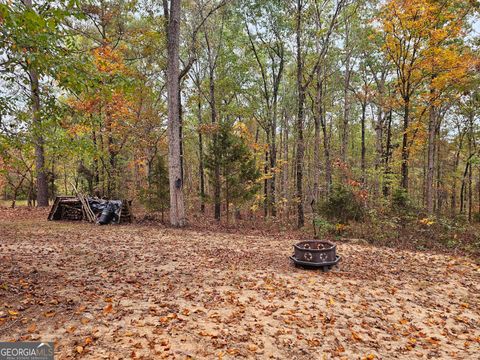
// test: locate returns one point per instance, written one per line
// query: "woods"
(94, 91)
(225, 179)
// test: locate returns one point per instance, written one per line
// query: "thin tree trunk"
(404, 167)
(177, 206)
(286, 192)
(180, 130)
(364, 108)
(42, 184)
(430, 158)
(216, 180)
(273, 159)
(388, 152)
(266, 201)
(201, 168)
(316, 147)
(346, 99)
(300, 119)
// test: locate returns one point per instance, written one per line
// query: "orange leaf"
(108, 309)
(32, 328)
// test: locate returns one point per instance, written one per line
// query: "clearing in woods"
(143, 291)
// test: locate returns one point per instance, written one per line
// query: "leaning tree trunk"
(177, 206)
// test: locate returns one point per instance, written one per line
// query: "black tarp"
(106, 211)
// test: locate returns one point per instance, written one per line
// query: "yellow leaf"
(79, 349)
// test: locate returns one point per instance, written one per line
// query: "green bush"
(476, 217)
(322, 227)
(342, 205)
(400, 199)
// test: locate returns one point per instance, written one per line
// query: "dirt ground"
(145, 291)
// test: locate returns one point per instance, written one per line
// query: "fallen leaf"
(32, 328)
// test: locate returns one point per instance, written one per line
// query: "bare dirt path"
(149, 292)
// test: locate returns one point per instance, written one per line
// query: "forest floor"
(146, 291)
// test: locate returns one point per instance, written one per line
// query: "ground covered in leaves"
(145, 291)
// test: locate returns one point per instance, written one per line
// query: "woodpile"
(77, 208)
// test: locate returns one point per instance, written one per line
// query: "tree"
(237, 164)
(177, 205)
(33, 39)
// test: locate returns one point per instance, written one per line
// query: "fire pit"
(316, 254)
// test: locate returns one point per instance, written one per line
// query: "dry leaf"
(108, 309)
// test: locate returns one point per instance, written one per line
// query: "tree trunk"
(216, 180)
(300, 119)
(177, 206)
(430, 160)
(456, 162)
(404, 168)
(201, 168)
(180, 130)
(388, 152)
(362, 166)
(346, 99)
(42, 184)
(266, 200)
(273, 158)
(285, 177)
(316, 150)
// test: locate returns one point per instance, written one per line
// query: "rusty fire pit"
(315, 254)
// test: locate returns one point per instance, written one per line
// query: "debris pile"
(91, 209)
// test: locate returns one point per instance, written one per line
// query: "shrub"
(400, 199)
(476, 217)
(342, 205)
(322, 227)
